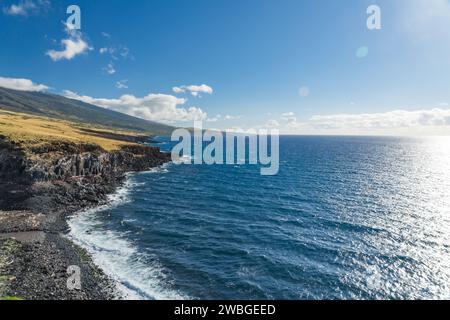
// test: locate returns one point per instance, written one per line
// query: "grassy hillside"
(58, 107)
(32, 131)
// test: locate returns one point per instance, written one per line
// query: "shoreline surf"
(119, 259)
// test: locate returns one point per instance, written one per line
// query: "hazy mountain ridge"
(59, 107)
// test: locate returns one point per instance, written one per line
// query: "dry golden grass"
(30, 131)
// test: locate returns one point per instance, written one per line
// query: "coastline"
(135, 277)
(35, 249)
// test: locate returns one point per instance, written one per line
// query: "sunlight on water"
(414, 240)
(346, 218)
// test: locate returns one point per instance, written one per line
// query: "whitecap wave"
(160, 169)
(185, 159)
(138, 276)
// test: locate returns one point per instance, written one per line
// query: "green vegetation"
(11, 299)
(61, 108)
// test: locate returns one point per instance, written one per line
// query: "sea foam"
(137, 276)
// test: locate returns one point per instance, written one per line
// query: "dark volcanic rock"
(38, 271)
(48, 183)
(60, 174)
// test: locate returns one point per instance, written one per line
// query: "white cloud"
(155, 107)
(122, 84)
(214, 119)
(202, 88)
(117, 52)
(109, 69)
(125, 52)
(72, 46)
(194, 90)
(390, 122)
(21, 84)
(229, 117)
(290, 118)
(287, 115)
(109, 50)
(272, 124)
(15, 10)
(391, 119)
(27, 7)
(178, 90)
(223, 118)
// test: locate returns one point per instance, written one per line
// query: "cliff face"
(64, 174)
(12, 161)
(95, 163)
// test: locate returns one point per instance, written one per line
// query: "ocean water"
(345, 218)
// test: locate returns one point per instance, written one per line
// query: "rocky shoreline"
(39, 190)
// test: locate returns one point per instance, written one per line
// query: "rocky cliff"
(46, 174)
(64, 174)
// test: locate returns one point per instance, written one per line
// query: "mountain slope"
(58, 107)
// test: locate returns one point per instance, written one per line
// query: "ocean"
(345, 218)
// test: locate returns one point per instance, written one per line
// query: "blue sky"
(251, 56)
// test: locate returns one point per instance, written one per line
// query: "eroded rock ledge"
(39, 187)
(63, 174)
